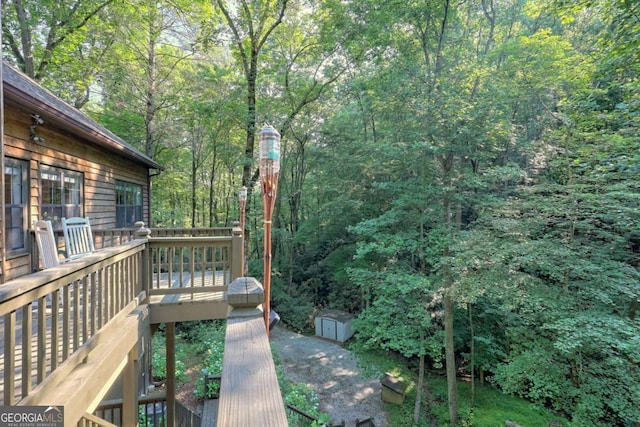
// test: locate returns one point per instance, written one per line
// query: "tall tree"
(446, 85)
(248, 28)
(36, 30)
(142, 78)
(58, 43)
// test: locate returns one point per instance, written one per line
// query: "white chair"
(46, 244)
(48, 249)
(78, 238)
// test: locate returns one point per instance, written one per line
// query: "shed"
(335, 325)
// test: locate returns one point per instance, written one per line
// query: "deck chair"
(46, 244)
(78, 238)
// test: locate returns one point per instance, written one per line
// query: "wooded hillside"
(464, 176)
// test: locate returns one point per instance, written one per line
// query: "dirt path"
(332, 372)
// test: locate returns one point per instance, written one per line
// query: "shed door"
(329, 328)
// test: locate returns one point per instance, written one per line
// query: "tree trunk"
(446, 163)
(250, 126)
(416, 408)
(25, 38)
(472, 357)
(452, 386)
(194, 183)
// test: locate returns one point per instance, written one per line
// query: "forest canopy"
(462, 175)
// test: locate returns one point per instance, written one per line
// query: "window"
(61, 195)
(128, 204)
(16, 186)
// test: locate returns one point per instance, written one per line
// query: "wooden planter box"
(393, 390)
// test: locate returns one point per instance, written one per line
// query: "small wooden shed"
(335, 325)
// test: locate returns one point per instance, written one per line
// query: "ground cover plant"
(491, 407)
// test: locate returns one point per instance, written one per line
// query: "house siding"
(61, 149)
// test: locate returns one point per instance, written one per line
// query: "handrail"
(89, 420)
(192, 232)
(32, 286)
(111, 411)
(249, 374)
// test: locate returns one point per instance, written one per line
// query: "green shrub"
(208, 339)
(159, 360)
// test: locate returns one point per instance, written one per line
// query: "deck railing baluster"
(66, 322)
(55, 332)
(86, 308)
(75, 303)
(27, 325)
(42, 339)
(9, 358)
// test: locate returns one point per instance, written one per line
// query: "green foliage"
(397, 319)
(492, 407)
(159, 360)
(207, 385)
(491, 155)
(207, 340)
(294, 305)
(557, 261)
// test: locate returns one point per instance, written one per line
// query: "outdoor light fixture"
(269, 151)
(37, 121)
(242, 196)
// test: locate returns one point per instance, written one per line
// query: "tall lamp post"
(242, 196)
(269, 168)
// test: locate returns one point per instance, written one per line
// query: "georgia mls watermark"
(31, 416)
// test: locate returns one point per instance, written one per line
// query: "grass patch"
(491, 408)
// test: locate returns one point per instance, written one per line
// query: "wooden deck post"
(171, 373)
(236, 254)
(145, 275)
(130, 390)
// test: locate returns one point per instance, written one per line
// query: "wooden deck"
(101, 307)
(184, 297)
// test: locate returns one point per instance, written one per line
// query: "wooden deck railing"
(189, 262)
(49, 316)
(52, 322)
(152, 412)
(117, 236)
